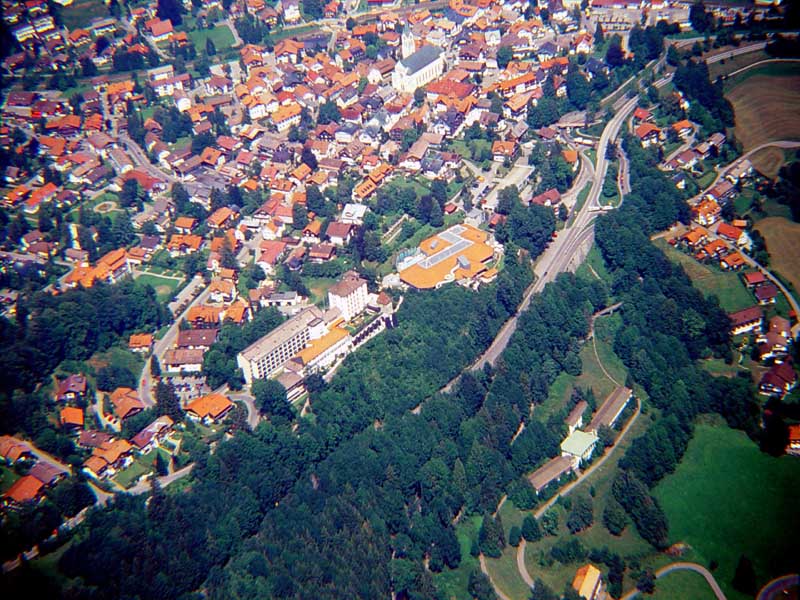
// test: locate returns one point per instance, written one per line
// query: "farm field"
(769, 161)
(709, 279)
(729, 65)
(757, 517)
(766, 100)
(783, 243)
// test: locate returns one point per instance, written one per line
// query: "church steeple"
(409, 47)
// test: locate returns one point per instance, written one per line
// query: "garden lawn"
(710, 279)
(727, 499)
(130, 476)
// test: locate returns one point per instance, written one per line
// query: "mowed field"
(766, 101)
(783, 243)
(727, 498)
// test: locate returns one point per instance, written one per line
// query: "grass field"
(594, 267)
(164, 286)
(682, 584)
(220, 36)
(766, 101)
(709, 279)
(727, 499)
(81, 12)
(453, 584)
(783, 243)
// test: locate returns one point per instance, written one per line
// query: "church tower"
(409, 47)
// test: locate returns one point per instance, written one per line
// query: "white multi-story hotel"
(267, 356)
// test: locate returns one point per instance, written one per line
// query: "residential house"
(183, 360)
(26, 489)
(338, 233)
(126, 403)
(766, 294)
(779, 380)
(611, 409)
(140, 342)
(747, 320)
(152, 435)
(71, 389)
(550, 472)
(588, 583)
(208, 409)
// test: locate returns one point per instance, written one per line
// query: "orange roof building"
(211, 407)
(140, 342)
(126, 402)
(25, 489)
(71, 416)
(458, 253)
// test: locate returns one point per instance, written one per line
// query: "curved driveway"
(684, 566)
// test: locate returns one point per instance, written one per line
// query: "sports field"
(783, 243)
(727, 498)
(164, 286)
(766, 100)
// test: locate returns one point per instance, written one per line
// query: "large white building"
(349, 295)
(267, 356)
(418, 67)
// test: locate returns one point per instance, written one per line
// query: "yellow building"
(587, 582)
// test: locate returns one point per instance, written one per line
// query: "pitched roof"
(211, 405)
(25, 488)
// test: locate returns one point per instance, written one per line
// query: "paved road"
(754, 47)
(144, 486)
(560, 254)
(684, 566)
(253, 416)
(497, 590)
(142, 162)
(761, 62)
(159, 348)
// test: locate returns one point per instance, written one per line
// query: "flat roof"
(442, 252)
(281, 333)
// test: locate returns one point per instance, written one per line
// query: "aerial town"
(502, 294)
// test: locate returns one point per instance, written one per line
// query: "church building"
(418, 67)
